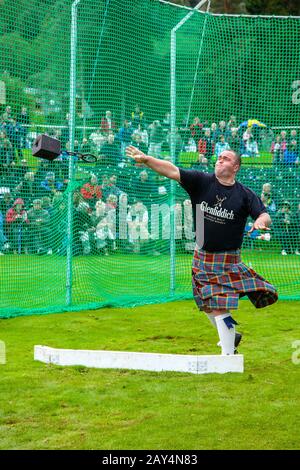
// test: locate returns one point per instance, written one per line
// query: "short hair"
(237, 157)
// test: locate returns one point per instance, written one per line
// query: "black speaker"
(46, 147)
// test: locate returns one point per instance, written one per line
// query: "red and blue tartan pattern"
(220, 279)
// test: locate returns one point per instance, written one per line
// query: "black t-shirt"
(226, 208)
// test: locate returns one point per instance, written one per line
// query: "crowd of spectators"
(33, 201)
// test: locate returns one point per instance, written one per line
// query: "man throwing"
(218, 275)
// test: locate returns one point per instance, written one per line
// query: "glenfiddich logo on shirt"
(220, 200)
(217, 209)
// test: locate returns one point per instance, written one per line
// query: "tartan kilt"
(220, 279)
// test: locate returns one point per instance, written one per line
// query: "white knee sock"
(211, 319)
(226, 329)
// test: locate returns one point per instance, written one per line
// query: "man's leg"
(225, 325)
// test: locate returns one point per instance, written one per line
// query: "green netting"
(105, 236)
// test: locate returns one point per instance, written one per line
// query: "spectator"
(16, 220)
(290, 154)
(166, 123)
(105, 227)
(124, 136)
(110, 187)
(6, 201)
(234, 141)
(47, 203)
(251, 148)
(38, 231)
(143, 187)
(293, 135)
(97, 140)
(13, 173)
(110, 152)
(85, 146)
(222, 130)
(91, 191)
(107, 124)
(202, 162)
(15, 133)
(156, 138)
(232, 123)
(178, 144)
(138, 142)
(283, 223)
(267, 200)
(277, 151)
(83, 227)
(206, 145)
(214, 132)
(50, 185)
(137, 118)
(196, 129)
(246, 136)
(24, 120)
(221, 146)
(143, 134)
(28, 188)
(137, 219)
(21, 170)
(44, 167)
(6, 149)
(7, 115)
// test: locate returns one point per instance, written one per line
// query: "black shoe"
(237, 340)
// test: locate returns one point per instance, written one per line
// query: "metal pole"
(71, 148)
(173, 143)
(198, 62)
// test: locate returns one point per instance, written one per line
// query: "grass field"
(51, 407)
(31, 283)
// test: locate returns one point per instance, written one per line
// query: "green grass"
(51, 407)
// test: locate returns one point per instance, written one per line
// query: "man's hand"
(136, 154)
(261, 223)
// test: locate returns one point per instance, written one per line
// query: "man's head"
(94, 179)
(227, 164)
(286, 206)
(267, 188)
(110, 138)
(144, 175)
(37, 204)
(113, 179)
(29, 176)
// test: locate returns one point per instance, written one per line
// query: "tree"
(273, 7)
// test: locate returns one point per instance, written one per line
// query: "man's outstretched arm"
(162, 167)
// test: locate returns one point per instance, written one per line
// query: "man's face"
(226, 164)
